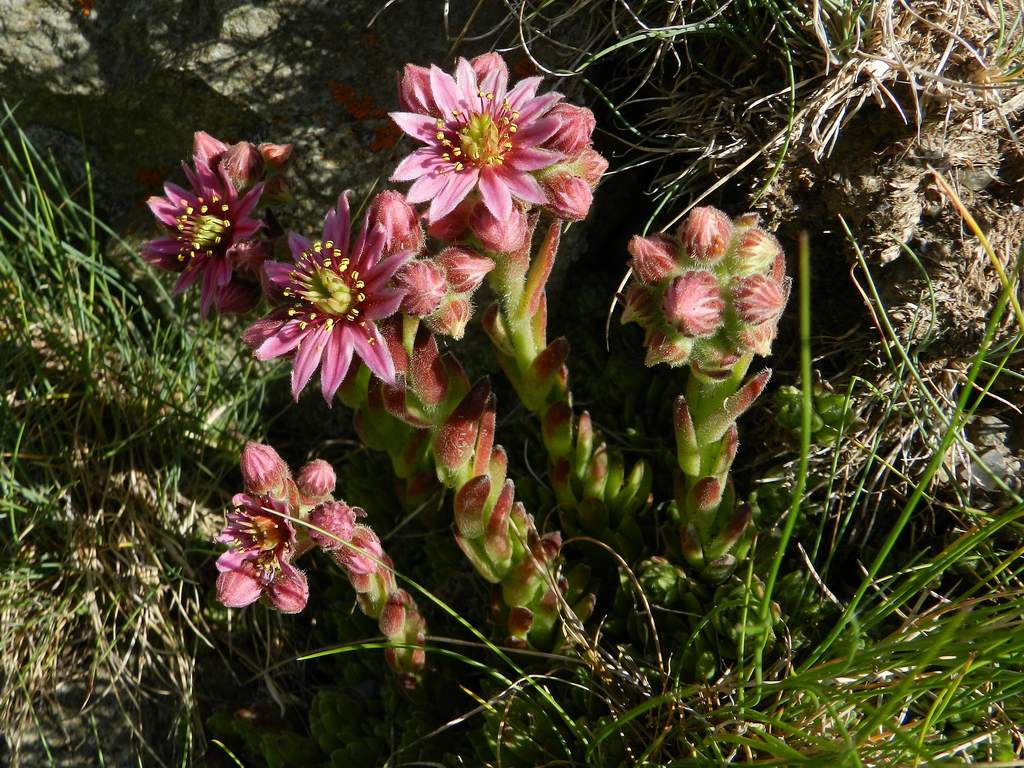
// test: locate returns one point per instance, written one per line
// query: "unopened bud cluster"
(708, 296)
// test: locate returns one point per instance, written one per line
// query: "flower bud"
(238, 588)
(706, 234)
(263, 469)
(757, 299)
(336, 518)
(755, 251)
(591, 166)
(424, 286)
(451, 227)
(464, 269)
(577, 125)
(451, 317)
(414, 92)
(693, 304)
(275, 155)
(637, 305)
(402, 231)
(488, 65)
(653, 257)
(237, 298)
(316, 480)
(248, 256)
(392, 615)
(662, 349)
(243, 165)
(569, 197)
(496, 234)
(365, 553)
(207, 148)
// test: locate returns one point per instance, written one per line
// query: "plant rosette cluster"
(709, 298)
(278, 518)
(214, 237)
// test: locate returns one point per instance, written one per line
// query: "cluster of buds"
(711, 298)
(214, 238)
(570, 183)
(440, 289)
(263, 541)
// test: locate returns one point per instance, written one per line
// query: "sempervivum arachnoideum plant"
(709, 298)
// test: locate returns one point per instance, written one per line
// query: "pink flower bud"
(638, 305)
(653, 258)
(237, 298)
(275, 155)
(242, 164)
(706, 234)
(451, 317)
(464, 269)
(591, 165)
(238, 588)
(452, 227)
(662, 349)
(757, 299)
(488, 65)
(261, 330)
(361, 559)
(496, 234)
(263, 469)
(289, 592)
(316, 480)
(755, 251)
(392, 615)
(207, 148)
(577, 125)
(414, 91)
(337, 519)
(248, 256)
(424, 286)
(402, 230)
(693, 304)
(569, 197)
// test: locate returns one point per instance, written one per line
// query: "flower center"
(323, 283)
(480, 138)
(267, 534)
(201, 227)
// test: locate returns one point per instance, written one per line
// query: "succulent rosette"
(333, 294)
(478, 135)
(709, 296)
(258, 563)
(206, 223)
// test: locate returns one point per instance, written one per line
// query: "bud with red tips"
(451, 317)
(424, 285)
(488, 65)
(654, 258)
(577, 126)
(243, 165)
(693, 304)
(464, 268)
(414, 92)
(263, 469)
(500, 235)
(316, 480)
(402, 229)
(363, 555)
(569, 197)
(706, 234)
(757, 299)
(393, 614)
(756, 250)
(591, 166)
(337, 520)
(275, 156)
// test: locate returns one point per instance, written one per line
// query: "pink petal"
(297, 244)
(337, 224)
(247, 202)
(537, 132)
(289, 592)
(278, 274)
(237, 589)
(307, 358)
(383, 303)
(444, 91)
(522, 185)
(245, 229)
(531, 159)
(422, 161)
(209, 292)
(284, 340)
(426, 187)
(421, 127)
(232, 559)
(454, 192)
(162, 246)
(373, 350)
(165, 210)
(384, 270)
(336, 360)
(176, 194)
(206, 147)
(263, 329)
(538, 106)
(496, 82)
(523, 92)
(189, 276)
(496, 194)
(465, 79)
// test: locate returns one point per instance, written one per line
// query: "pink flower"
(337, 292)
(478, 135)
(205, 222)
(365, 555)
(262, 542)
